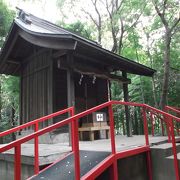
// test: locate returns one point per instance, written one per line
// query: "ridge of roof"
(33, 28)
(39, 25)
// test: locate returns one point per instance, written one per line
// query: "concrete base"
(7, 169)
(134, 167)
(163, 161)
(48, 138)
(49, 153)
(128, 169)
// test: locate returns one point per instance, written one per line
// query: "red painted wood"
(152, 123)
(112, 133)
(17, 162)
(76, 150)
(36, 150)
(145, 126)
(31, 123)
(110, 161)
(149, 165)
(176, 165)
(101, 167)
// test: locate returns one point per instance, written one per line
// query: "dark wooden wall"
(59, 93)
(89, 94)
(60, 89)
(47, 87)
(36, 86)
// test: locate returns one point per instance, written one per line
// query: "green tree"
(133, 29)
(79, 28)
(168, 12)
(6, 17)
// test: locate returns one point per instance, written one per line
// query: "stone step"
(162, 161)
(164, 150)
(169, 167)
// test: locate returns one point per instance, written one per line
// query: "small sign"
(99, 117)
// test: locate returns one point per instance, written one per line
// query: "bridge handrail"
(73, 120)
(18, 142)
(173, 109)
(34, 122)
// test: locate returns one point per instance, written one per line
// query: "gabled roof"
(28, 30)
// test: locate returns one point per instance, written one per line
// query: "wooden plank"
(93, 70)
(9, 46)
(36, 87)
(93, 128)
(59, 53)
(20, 101)
(70, 87)
(40, 52)
(91, 135)
(50, 84)
(70, 82)
(87, 58)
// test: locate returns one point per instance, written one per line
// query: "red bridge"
(105, 160)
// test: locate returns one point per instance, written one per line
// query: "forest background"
(147, 32)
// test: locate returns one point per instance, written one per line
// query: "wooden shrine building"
(59, 69)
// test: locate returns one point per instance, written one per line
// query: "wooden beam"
(59, 54)
(93, 70)
(107, 76)
(13, 62)
(34, 55)
(86, 58)
(70, 81)
(101, 73)
(70, 88)
(36, 70)
(7, 50)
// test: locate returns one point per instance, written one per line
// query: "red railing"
(154, 115)
(17, 145)
(176, 111)
(169, 120)
(111, 160)
(173, 109)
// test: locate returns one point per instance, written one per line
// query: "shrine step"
(162, 161)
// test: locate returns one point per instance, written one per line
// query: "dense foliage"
(9, 89)
(146, 32)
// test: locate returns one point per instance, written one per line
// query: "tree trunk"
(0, 101)
(123, 126)
(154, 92)
(1, 139)
(13, 123)
(151, 62)
(170, 25)
(99, 34)
(121, 37)
(142, 91)
(165, 85)
(127, 113)
(135, 122)
(141, 86)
